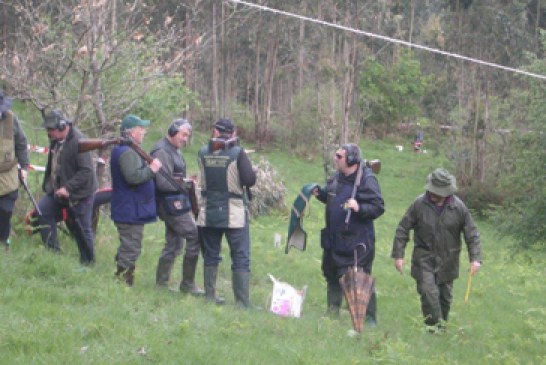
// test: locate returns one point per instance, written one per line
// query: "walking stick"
(468, 284)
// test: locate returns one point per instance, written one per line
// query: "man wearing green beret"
(133, 196)
(438, 218)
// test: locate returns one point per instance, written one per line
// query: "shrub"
(480, 198)
(269, 192)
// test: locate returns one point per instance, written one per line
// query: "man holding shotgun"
(353, 201)
(175, 209)
(13, 151)
(133, 195)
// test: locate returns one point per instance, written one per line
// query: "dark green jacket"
(437, 237)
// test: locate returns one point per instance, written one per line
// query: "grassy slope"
(52, 311)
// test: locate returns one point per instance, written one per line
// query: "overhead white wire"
(389, 39)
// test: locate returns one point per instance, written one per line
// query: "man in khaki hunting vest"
(13, 151)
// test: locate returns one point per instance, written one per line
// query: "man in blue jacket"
(338, 239)
(133, 196)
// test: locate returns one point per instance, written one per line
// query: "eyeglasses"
(339, 156)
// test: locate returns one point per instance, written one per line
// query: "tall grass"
(53, 311)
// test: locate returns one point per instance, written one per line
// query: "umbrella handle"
(356, 254)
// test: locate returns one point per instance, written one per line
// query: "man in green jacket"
(438, 218)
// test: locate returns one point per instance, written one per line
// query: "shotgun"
(89, 144)
(25, 186)
(353, 194)
(375, 165)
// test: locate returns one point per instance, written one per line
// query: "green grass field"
(52, 311)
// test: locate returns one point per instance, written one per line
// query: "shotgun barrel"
(89, 144)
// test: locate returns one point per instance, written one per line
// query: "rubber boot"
(119, 271)
(240, 282)
(187, 285)
(5, 244)
(371, 312)
(129, 276)
(163, 273)
(334, 297)
(210, 273)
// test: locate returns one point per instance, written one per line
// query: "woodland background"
(298, 85)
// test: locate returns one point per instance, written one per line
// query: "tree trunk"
(270, 70)
(214, 72)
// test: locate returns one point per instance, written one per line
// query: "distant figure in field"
(438, 218)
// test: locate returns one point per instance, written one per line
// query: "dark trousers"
(239, 246)
(7, 202)
(178, 228)
(435, 298)
(78, 220)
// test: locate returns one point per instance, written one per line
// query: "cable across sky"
(389, 39)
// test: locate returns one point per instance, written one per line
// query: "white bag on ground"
(286, 301)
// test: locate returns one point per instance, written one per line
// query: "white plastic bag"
(286, 301)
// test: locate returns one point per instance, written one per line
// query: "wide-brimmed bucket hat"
(441, 182)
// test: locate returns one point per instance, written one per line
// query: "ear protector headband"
(352, 153)
(176, 125)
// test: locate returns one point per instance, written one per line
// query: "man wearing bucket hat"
(133, 196)
(13, 151)
(69, 184)
(438, 219)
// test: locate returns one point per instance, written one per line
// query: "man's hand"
(155, 166)
(474, 267)
(24, 174)
(62, 193)
(352, 204)
(399, 265)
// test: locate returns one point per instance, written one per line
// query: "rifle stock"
(89, 144)
(375, 165)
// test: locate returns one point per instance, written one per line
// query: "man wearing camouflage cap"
(437, 218)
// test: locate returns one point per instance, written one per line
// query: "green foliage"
(524, 182)
(392, 94)
(525, 209)
(167, 98)
(480, 199)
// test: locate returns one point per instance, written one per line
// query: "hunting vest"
(223, 204)
(9, 180)
(131, 204)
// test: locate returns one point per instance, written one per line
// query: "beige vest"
(9, 180)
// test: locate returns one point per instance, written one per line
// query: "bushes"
(480, 199)
(269, 192)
